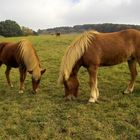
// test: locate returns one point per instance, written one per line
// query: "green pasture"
(47, 116)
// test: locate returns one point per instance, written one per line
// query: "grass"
(46, 116)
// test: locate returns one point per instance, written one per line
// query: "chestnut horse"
(23, 56)
(57, 33)
(92, 50)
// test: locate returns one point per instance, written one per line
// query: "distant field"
(46, 116)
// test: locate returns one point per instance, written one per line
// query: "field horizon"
(47, 116)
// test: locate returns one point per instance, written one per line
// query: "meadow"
(47, 116)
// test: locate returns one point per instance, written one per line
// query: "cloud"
(99, 11)
(50, 13)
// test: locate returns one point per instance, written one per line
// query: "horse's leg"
(93, 83)
(133, 71)
(23, 73)
(7, 72)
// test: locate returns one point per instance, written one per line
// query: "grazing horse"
(92, 50)
(58, 34)
(23, 56)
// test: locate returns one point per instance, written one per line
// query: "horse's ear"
(30, 72)
(42, 71)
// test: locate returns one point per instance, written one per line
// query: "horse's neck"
(32, 66)
(30, 60)
(36, 73)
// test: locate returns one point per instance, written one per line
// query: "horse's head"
(36, 77)
(71, 88)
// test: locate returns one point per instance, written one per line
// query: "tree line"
(106, 27)
(9, 28)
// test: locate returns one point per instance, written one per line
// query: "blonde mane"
(73, 54)
(28, 55)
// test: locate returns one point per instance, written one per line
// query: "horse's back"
(113, 48)
(8, 54)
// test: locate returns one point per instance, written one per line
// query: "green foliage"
(27, 31)
(106, 27)
(10, 28)
(47, 116)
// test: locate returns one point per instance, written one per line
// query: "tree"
(27, 31)
(10, 28)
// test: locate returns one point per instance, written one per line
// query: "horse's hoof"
(127, 92)
(73, 97)
(91, 100)
(68, 98)
(34, 92)
(11, 86)
(97, 102)
(21, 91)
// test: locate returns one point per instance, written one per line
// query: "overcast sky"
(42, 14)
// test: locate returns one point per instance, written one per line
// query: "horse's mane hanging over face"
(28, 54)
(74, 53)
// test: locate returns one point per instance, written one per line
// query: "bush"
(10, 28)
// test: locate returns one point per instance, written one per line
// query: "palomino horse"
(23, 56)
(92, 50)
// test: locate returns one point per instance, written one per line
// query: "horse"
(21, 55)
(95, 49)
(57, 34)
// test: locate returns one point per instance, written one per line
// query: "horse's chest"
(10, 61)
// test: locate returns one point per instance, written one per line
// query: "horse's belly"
(110, 63)
(113, 61)
(11, 63)
(14, 65)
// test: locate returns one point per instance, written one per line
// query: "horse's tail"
(73, 53)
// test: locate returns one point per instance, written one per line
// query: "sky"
(43, 14)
